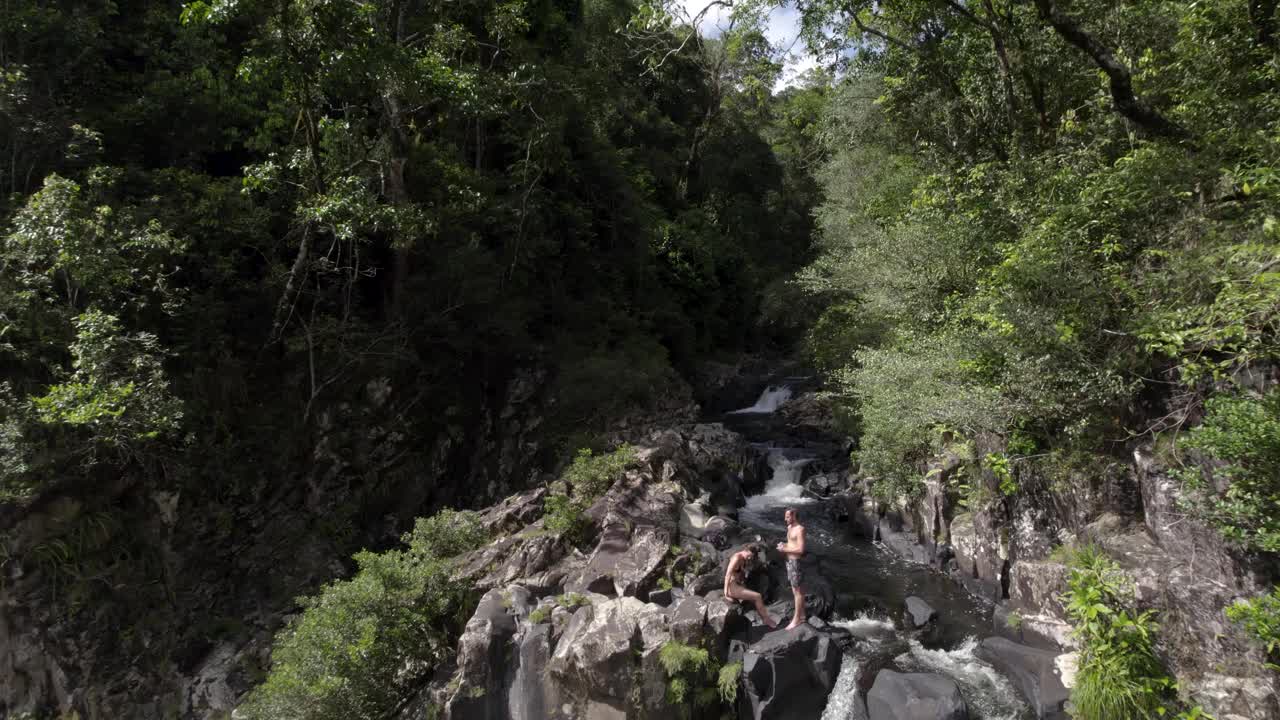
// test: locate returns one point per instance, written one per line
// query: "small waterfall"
(769, 401)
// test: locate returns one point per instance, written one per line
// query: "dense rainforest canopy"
(242, 236)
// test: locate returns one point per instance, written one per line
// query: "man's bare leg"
(798, 619)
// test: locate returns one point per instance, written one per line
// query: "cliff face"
(135, 599)
(1002, 548)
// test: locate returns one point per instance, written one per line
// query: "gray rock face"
(919, 612)
(1033, 672)
(693, 518)
(485, 657)
(638, 528)
(515, 512)
(979, 557)
(915, 696)
(788, 675)
(609, 656)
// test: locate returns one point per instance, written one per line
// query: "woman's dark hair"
(755, 548)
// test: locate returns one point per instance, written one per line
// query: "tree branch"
(1126, 102)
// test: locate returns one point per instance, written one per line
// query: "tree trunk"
(1262, 13)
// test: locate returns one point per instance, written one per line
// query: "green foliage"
(1000, 467)
(1006, 248)
(727, 682)
(540, 615)
(902, 393)
(590, 475)
(1119, 674)
(117, 389)
(572, 600)
(586, 479)
(361, 645)
(693, 676)
(1260, 617)
(1240, 437)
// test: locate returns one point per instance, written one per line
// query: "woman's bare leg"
(740, 593)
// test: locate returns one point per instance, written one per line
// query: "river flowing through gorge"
(871, 584)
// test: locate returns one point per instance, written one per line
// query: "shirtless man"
(793, 549)
(735, 577)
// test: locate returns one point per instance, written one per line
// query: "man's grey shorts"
(795, 575)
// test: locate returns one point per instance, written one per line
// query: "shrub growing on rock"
(693, 675)
(1243, 435)
(1260, 617)
(363, 645)
(587, 478)
(1119, 674)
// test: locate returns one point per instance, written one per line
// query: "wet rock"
(810, 413)
(819, 597)
(533, 696)
(978, 554)
(485, 656)
(919, 613)
(1034, 672)
(788, 675)
(915, 696)
(1044, 632)
(718, 530)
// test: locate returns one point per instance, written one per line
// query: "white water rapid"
(844, 703)
(988, 694)
(769, 401)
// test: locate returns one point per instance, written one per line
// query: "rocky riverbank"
(1007, 551)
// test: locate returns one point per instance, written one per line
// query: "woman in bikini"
(735, 577)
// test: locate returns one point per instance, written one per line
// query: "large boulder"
(485, 657)
(788, 674)
(638, 527)
(915, 696)
(514, 512)
(693, 518)
(1034, 672)
(607, 660)
(919, 613)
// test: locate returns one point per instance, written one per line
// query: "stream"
(871, 584)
